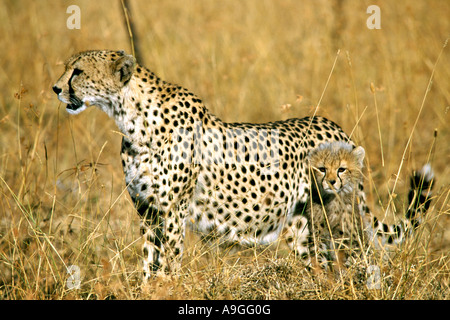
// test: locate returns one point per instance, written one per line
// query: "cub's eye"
(322, 169)
(341, 170)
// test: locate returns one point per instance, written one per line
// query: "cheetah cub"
(336, 226)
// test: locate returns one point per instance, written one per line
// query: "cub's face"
(336, 169)
(94, 78)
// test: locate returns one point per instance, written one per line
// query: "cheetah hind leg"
(296, 234)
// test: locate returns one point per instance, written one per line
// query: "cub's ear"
(123, 68)
(359, 154)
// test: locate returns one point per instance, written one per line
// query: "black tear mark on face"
(75, 73)
(75, 102)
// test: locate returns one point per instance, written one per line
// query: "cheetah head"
(337, 167)
(94, 78)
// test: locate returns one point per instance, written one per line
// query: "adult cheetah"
(183, 166)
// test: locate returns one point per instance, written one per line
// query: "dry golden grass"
(62, 195)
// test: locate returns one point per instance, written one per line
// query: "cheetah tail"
(419, 196)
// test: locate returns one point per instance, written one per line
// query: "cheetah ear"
(359, 154)
(123, 68)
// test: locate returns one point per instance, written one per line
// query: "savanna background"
(63, 200)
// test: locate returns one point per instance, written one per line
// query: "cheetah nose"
(56, 90)
(332, 182)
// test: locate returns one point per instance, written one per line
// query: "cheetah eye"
(322, 169)
(341, 170)
(76, 72)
